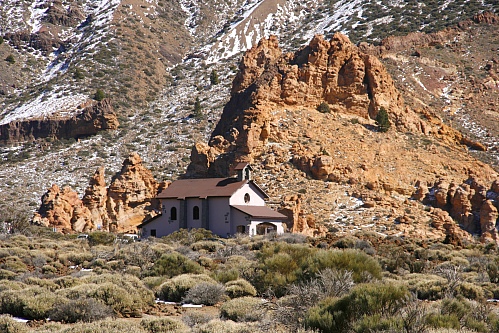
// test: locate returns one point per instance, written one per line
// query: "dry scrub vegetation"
(362, 283)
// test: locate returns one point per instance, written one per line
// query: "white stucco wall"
(239, 218)
(219, 216)
(256, 198)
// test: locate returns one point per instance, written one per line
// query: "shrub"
(382, 120)
(436, 320)
(223, 326)
(173, 264)
(99, 95)
(117, 298)
(208, 245)
(100, 237)
(205, 293)
(324, 108)
(9, 325)
(362, 266)
(85, 310)
(163, 325)
(176, 288)
(239, 288)
(371, 300)
(10, 59)
(242, 309)
(105, 326)
(214, 77)
(470, 290)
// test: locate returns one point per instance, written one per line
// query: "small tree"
(1, 40)
(382, 120)
(99, 95)
(10, 59)
(78, 74)
(324, 108)
(197, 109)
(214, 77)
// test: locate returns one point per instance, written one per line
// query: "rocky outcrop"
(118, 208)
(95, 117)
(57, 15)
(298, 221)
(473, 206)
(64, 211)
(130, 194)
(335, 72)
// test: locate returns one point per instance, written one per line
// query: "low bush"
(223, 326)
(84, 310)
(9, 325)
(105, 326)
(176, 288)
(208, 245)
(470, 290)
(242, 309)
(205, 293)
(119, 299)
(323, 108)
(239, 288)
(379, 301)
(164, 325)
(173, 264)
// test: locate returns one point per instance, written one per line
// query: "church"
(225, 206)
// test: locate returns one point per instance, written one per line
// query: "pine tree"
(382, 120)
(214, 77)
(197, 109)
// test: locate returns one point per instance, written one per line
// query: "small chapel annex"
(225, 206)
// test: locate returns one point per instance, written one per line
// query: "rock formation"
(63, 210)
(95, 117)
(118, 208)
(298, 221)
(473, 206)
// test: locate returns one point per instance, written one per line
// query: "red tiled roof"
(260, 212)
(202, 188)
(241, 166)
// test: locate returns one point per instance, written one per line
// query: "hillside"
(153, 97)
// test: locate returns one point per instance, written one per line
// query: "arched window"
(195, 213)
(173, 213)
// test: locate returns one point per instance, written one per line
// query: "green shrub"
(362, 266)
(377, 323)
(119, 299)
(372, 300)
(324, 108)
(99, 95)
(10, 59)
(84, 310)
(9, 325)
(176, 288)
(281, 264)
(163, 325)
(14, 264)
(100, 237)
(172, 264)
(214, 77)
(242, 309)
(382, 120)
(436, 320)
(239, 288)
(188, 237)
(427, 287)
(470, 290)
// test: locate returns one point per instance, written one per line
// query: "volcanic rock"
(95, 117)
(119, 208)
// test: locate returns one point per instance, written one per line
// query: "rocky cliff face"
(95, 117)
(471, 204)
(118, 208)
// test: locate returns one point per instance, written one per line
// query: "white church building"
(225, 206)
